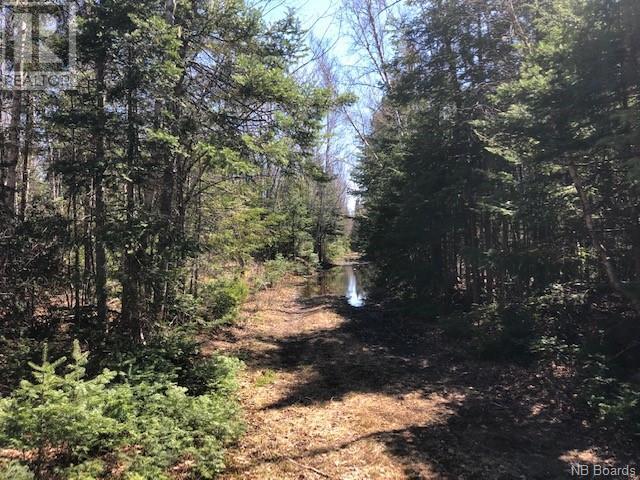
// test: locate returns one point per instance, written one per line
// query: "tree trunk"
(26, 160)
(13, 152)
(77, 279)
(598, 242)
(100, 207)
(13, 137)
(162, 283)
(131, 281)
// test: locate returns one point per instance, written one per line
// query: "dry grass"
(327, 399)
(336, 438)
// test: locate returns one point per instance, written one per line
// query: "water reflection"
(355, 296)
(349, 281)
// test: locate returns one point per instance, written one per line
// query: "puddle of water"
(349, 281)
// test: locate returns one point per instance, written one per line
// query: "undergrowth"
(67, 424)
(561, 326)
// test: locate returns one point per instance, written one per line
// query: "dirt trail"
(335, 392)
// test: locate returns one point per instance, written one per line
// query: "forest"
(357, 239)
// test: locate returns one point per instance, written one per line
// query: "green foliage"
(14, 354)
(243, 231)
(14, 470)
(497, 333)
(170, 426)
(524, 194)
(209, 140)
(265, 378)
(31, 253)
(221, 300)
(187, 308)
(174, 356)
(508, 335)
(555, 349)
(275, 270)
(93, 469)
(622, 408)
(307, 255)
(616, 403)
(59, 410)
(149, 426)
(337, 249)
(189, 153)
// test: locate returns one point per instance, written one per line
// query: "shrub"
(147, 427)
(507, 334)
(555, 349)
(221, 300)
(14, 355)
(457, 326)
(616, 403)
(186, 308)
(622, 408)
(15, 471)
(175, 357)
(307, 256)
(32, 256)
(276, 269)
(338, 249)
(60, 410)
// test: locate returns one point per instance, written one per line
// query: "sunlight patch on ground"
(588, 456)
(342, 437)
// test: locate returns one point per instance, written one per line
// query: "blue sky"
(322, 19)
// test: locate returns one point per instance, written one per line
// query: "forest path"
(336, 392)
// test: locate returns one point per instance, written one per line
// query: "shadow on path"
(509, 423)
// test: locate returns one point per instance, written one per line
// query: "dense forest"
(499, 181)
(137, 206)
(199, 160)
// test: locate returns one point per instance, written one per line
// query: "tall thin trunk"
(100, 206)
(10, 142)
(635, 243)
(87, 247)
(13, 149)
(598, 243)
(26, 160)
(166, 235)
(163, 284)
(130, 283)
(77, 279)
(195, 278)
